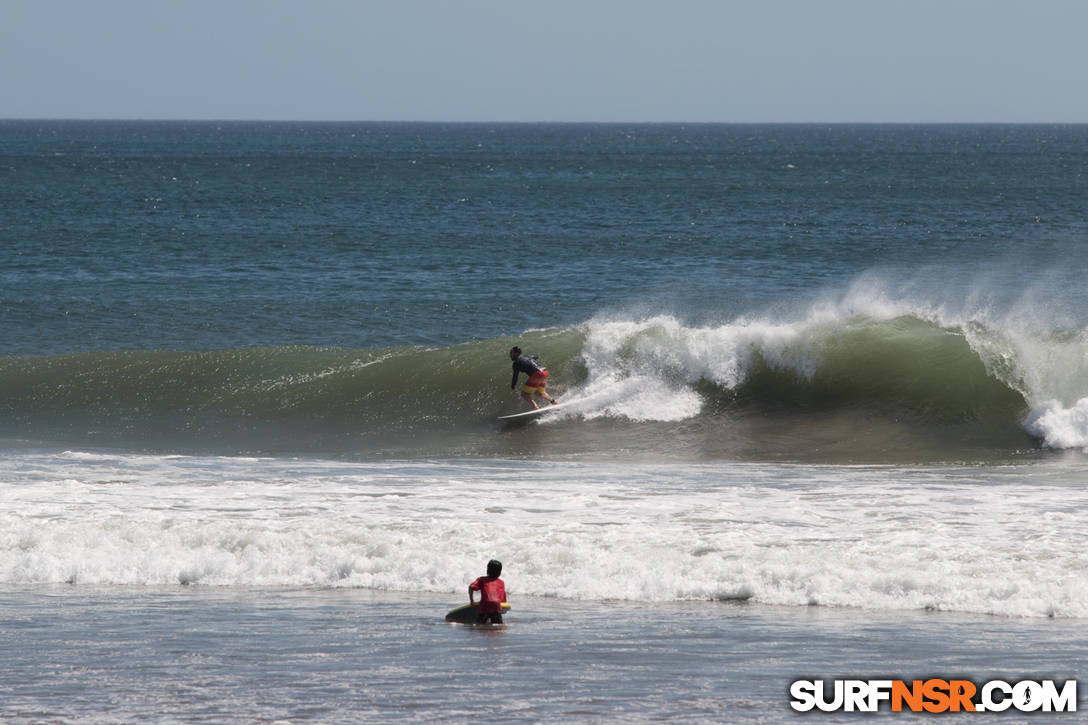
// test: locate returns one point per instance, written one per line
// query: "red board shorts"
(536, 383)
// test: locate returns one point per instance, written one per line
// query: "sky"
(734, 61)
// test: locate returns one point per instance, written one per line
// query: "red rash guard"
(492, 593)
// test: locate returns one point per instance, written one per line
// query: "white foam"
(634, 397)
(1002, 541)
(644, 369)
(1060, 426)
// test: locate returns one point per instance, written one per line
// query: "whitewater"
(1001, 541)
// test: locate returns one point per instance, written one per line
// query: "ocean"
(825, 416)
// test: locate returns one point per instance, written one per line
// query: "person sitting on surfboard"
(538, 376)
(492, 594)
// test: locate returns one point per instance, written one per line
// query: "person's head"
(515, 352)
(494, 568)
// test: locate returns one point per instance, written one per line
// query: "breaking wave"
(837, 378)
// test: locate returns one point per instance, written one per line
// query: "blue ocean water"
(199, 236)
(818, 380)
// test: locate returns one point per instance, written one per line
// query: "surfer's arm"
(514, 380)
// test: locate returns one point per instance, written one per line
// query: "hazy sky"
(553, 60)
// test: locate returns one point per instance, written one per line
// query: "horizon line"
(165, 119)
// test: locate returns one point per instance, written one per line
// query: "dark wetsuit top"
(526, 364)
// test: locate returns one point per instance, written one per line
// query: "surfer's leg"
(539, 388)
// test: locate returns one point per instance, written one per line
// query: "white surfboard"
(530, 413)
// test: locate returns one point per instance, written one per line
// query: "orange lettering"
(936, 691)
(961, 692)
(911, 695)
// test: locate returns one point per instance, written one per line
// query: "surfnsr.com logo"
(933, 695)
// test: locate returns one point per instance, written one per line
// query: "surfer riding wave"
(538, 377)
